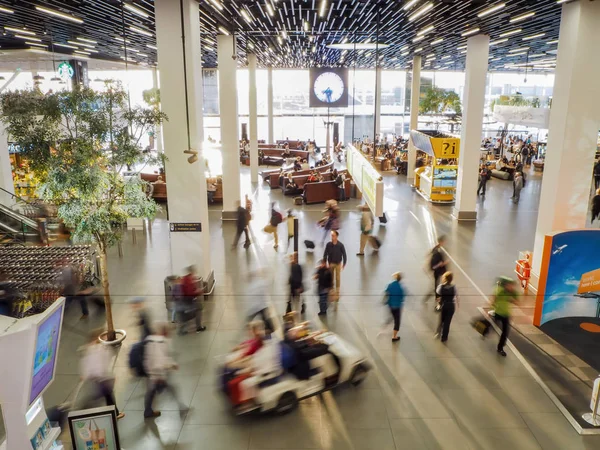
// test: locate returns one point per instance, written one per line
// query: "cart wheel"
(359, 375)
(287, 403)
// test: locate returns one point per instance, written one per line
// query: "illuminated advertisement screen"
(46, 346)
(445, 173)
(444, 183)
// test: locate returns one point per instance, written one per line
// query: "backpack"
(136, 358)
(276, 219)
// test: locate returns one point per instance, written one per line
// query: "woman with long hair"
(448, 302)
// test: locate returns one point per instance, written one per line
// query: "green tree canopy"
(439, 101)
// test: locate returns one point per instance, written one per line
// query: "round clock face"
(329, 87)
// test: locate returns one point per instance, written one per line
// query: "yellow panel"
(448, 148)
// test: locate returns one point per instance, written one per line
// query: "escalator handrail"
(16, 197)
(14, 231)
(18, 217)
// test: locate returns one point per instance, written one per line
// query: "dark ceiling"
(295, 33)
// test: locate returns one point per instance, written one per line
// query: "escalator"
(16, 227)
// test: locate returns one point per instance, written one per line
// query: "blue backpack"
(136, 358)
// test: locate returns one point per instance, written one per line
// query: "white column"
(574, 125)
(270, 105)
(415, 90)
(253, 119)
(478, 48)
(229, 125)
(186, 183)
(158, 133)
(6, 180)
(378, 102)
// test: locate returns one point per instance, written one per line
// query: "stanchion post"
(134, 236)
(120, 247)
(296, 234)
(592, 418)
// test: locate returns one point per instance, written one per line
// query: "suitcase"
(298, 200)
(482, 326)
(310, 245)
(383, 219)
(375, 242)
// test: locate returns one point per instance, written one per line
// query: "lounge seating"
(159, 190)
(272, 176)
(323, 191)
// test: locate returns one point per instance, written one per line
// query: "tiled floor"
(421, 394)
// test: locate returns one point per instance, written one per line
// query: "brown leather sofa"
(300, 181)
(272, 176)
(323, 191)
(293, 144)
(159, 191)
(303, 154)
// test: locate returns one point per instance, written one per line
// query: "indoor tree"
(82, 140)
(438, 102)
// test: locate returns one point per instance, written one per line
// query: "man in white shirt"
(158, 364)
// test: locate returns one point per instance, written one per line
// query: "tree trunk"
(110, 328)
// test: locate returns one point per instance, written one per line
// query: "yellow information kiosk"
(438, 152)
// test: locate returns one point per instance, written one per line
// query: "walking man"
(340, 182)
(158, 364)
(335, 258)
(438, 263)
(324, 282)
(296, 282)
(241, 226)
(274, 221)
(506, 293)
(484, 176)
(366, 227)
(192, 299)
(518, 182)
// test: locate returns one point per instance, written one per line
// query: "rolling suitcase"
(375, 242)
(482, 326)
(383, 219)
(310, 245)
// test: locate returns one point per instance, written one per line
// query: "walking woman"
(394, 298)
(448, 301)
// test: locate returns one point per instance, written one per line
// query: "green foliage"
(439, 101)
(152, 97)
(78, 143)
(516, 100)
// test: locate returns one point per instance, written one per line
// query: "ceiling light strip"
(510, 33)
(134, 9)
(470, 32)
(20, 31)
(6, 10)
(420, 12)
(491, 10)
(55, 13)
(534, 36)
(522, 17)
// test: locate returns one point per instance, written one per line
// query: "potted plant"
(80, 141)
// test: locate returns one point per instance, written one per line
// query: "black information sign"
(194, 227)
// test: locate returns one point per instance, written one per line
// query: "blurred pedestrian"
(448, 302)
(324, 283)
(290, 227)
(438, 263)
(335, 258)
(394, 298)
(158, 364)
(142, 316)
(518, 184)
(241, 224)
(95, 367)
(193, 294)
(296, 282)
(8, 295)
(366, 227)
(275, 219)
(69, 282)
(506, 293)
(257, 289)
(596, 205)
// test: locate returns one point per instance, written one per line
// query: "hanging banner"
(523, 115)
(366, 179)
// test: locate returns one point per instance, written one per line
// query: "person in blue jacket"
(394, 298)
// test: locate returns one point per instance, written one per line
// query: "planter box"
(135, 224)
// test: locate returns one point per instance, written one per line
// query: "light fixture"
(517, 54)
(36, 44)
(522, 17)
(463, 52)
(86, 40)
(496, 59)
(131, 50)
(81, 44)
(122, 39)
(279, 40)
(224, 31)
(537, 55)
(153, 47)
(418, 39)
(269, 8)
(20, 31)
(134, 9)
(405, 53)
(82, 52)
(404, 48)
(217, 5)
(518, 50)
(561, 1)
(470, 32)
(409, 5)
(140, 31)
(510, 33)
(306, 25)
(491, 10)
(446, 57)
(31, 38)
(498, 41)
(534, 36)
(322, 8)
(420, 49)
(555, 41)
(462, 47)
(437, 41)
(425, 30)
(143, 55)
(65, 45)
(246, 16)
(420, 12)
(55, 13)
(6, 10)
(431, 55)
(358, 46)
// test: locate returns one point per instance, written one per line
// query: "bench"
(293, 144)
(218, 198)
(323, 191)
(159, 190)
(300, 181)
(303, 154)
(272, 176)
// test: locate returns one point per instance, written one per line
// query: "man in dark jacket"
(241, 224)
(335, 257)
(324, 281)
(296, 283)
(484, 176)
(438, 263)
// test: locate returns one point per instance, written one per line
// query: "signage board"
(182, 227)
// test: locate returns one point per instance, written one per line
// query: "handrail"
(15, 196)
(18, 217)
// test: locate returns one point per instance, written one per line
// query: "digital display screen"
(446, 173)
(444, 183)
(46, 345)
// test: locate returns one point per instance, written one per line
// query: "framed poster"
(94, 428)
